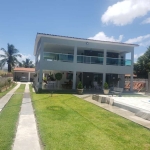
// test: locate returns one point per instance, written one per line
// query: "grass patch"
(5, 92)
(21, 89)
(67, 122)
(8, 119)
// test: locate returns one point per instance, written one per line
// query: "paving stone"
(26, 135)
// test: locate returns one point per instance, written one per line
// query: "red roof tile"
(18, 69)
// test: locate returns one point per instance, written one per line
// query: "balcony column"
(75, 55)
(104, 78)
(132, 58)
(105, 56)
(74, 71)
(131, 75)
(74, 80)
(119, 60)
(40, 78)
(131, 82)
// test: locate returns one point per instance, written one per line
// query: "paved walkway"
(119, 111)
(26, 136)
(6, 98)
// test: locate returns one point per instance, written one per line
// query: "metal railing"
(89, 59)
(58, 57)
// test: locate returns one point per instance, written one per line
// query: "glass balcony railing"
(118, 61)
(58, 57)
(49, 56)
(89, 59)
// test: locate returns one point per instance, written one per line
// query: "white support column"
(131, 75)
(40, 78)
(105, 56)
(74, 72)
(104, 78)
(74, 80)
(29, 76)
(119, 62)
(132, 58)
(75, 54)
(131, 82)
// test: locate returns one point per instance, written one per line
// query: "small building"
(26, 73)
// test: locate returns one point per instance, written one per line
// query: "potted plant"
(80, 88)
(106, 88)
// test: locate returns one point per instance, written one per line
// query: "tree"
(142, 67)
(27, 63)
(10, 57)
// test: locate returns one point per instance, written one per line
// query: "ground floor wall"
(87, 79)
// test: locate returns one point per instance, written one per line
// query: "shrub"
(106, 85)
(9, 81)
(58, 76)
(80, 86)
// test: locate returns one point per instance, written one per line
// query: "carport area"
(23, 73)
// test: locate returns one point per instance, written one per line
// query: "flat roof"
(39, 35)
(21, 69)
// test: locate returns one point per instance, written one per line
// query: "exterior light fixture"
(87, 43)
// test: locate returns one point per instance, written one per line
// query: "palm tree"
(9, 57)
(27, 63)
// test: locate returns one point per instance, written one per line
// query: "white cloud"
(141, 40)
(1, 52)
(102, 36)
(136, 56)
(124, 12)
(26, 56)
(147, 20)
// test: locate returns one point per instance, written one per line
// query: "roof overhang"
(31, 70)
(39, 35)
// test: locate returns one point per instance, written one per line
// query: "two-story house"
(84, 60)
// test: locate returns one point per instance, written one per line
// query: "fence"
(138, 80)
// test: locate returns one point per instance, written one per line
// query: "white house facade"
(83, 60)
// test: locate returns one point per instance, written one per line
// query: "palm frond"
(3, 62)
(2, 56)
(5, 52)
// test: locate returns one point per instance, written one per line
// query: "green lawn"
(8, 120)
(5, 92)
(66, 122)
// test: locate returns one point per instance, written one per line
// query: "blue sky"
(110, 20)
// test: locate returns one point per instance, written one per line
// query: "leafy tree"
(9, 57)
(27, 63)
(142, 67)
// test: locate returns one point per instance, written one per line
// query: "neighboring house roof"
(20, 69)
(128, 75)
(39, 35)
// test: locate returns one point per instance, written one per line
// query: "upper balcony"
(50, 56)
(89, 59)
(118, 61)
